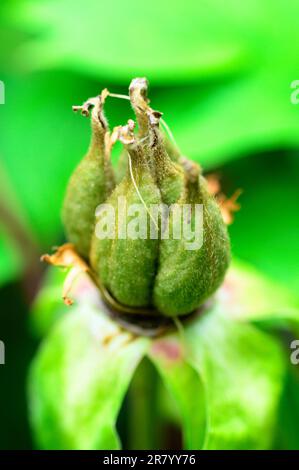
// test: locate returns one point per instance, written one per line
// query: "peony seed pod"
(188, 275)
(126, 264)
(91, 182)
(156, 243)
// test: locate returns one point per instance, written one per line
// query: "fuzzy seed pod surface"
(166, 275)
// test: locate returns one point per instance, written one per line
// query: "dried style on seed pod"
(140, 104)
(148, 130)
(91, 182)
(126, 264)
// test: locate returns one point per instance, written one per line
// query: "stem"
(28, 248)
(144, 429)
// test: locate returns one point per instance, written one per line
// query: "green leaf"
(241, 67)
(220, 121)
(226, 375)
(248, 295)
(242, 369)
(238, 69)
(49, 142)
(78, 381)
(226, 379)
(186, 385)
(150, 36)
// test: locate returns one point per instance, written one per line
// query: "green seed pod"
(126, 265)
(91, 182)
(187, 277)
(121, 167)
(169, 175)
(171, 149)
(141, 264)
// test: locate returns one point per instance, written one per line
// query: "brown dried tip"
(154, 117)
(126, 133)
(138, 93)
(229, 205)
(214, 186)
(110, 140)
(140, 103)
(87, 105)
(67, 301)
(95, 102)
(67, 257)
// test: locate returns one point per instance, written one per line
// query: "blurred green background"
(221, 72)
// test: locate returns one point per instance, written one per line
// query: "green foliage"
(265, 232)
(185, 385)
(80, 41)
(38, 147)
(257, 299)
(240, 61)
(237, 61)
(226, 376)
(243, 372)
(78, 382)
(221, 73)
